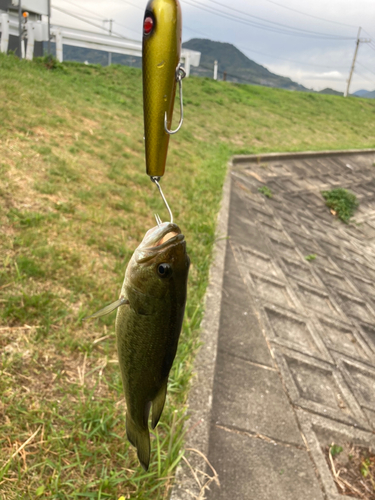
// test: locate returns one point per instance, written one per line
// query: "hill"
(329, 91)
(369, 95)
(74, 203)
(238, 67)
(361, 93)
(366, 94)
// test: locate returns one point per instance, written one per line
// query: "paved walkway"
(295, 367)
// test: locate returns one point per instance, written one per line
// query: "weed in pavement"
(310, 257)
(342, 203)
(265, 191)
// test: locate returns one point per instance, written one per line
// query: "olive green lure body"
(162, 27)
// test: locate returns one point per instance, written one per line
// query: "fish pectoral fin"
(158, 404)
(108, 309)
(140, 438)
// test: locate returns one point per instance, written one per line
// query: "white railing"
(37, 32)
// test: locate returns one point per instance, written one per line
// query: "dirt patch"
(353, 469)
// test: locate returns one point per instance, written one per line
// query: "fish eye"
(164, 270)
(148, 25)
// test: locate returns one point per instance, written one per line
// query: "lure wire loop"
(158, 220)
(180, 75)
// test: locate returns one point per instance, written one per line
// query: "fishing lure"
(161, 51)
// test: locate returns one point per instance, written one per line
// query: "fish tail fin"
(158, 404)
(140, 439)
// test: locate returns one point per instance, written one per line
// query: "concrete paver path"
(295, 365)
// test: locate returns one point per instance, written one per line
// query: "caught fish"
(148, 325)
(161, 50)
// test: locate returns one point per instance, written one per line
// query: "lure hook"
(158, 220)
(180, 75)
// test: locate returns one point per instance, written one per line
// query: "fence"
(37, 31)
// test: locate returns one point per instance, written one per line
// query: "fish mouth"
(158, 239)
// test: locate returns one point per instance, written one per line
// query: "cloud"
(309, 60)
(329, 75)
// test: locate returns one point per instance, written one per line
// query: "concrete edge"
(238, 159)
(200, 395)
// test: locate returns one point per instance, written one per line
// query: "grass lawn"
(74, 203)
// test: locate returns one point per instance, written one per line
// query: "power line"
(310, 15)
(289, 60)
(276, 57)
(194, 31)
(77, 17)
(363, 76)
(134, 5)
(139, 32)
(98, 18)
(89, 22)
(368, 69)
(231, 8)
(272, 56)
(368, 33)
(302, 33)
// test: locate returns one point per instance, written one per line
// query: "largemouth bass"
(161, 50)
(148, 325)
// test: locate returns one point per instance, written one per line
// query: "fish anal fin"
(158, 404)
(140, 438)
(108, 309)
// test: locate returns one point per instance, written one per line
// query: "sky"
(312, 43)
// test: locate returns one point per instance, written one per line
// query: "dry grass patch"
(353, 470)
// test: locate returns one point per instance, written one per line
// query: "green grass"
(265, 191)
(342, 202)
(310, 257)
(335, 449)
(74, 203)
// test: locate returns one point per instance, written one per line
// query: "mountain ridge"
(237, 66)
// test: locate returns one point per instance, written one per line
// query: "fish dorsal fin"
(108, 309)
(158, 404)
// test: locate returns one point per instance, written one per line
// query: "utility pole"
(110, 21)
(215, 70)
(359, 40)
(20, 28)
(49, 28)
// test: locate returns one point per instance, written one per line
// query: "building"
(35, 9)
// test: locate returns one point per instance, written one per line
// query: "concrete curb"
(238, 159)
(200, 395)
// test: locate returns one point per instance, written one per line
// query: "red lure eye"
(148, 25)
